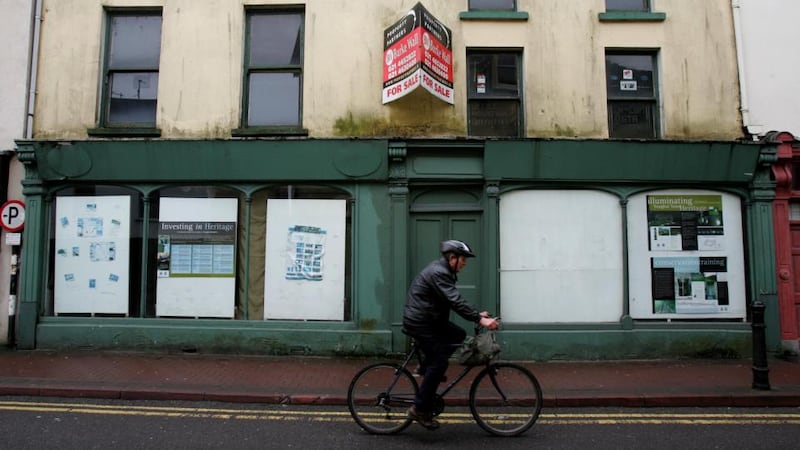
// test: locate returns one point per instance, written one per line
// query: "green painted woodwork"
(627, 161)
(761, 246)
(209, 336)
(494, 15)
(210, 160)
(632, 16)
(390, 181)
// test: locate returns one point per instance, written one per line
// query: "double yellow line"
(273, 414)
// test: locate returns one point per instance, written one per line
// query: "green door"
(427, 230)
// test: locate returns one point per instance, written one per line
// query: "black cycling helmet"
(457, 247)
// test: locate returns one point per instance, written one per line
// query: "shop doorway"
(427, 230)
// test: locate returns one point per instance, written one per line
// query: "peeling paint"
(371, 126)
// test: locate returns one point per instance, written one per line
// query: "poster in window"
(305, 259)
(196, 267)
(92, 239)
(685, 222)
(686, 255)
(690, 285)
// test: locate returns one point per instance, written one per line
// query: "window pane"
(794, 211)
(493, 75)
(492, 4)
(627, 5)
(629, 76)
(135, 42)
(275, 39)
(631, 119)
(133, 97)
(796, 177)
(494, 118)
(273, 99)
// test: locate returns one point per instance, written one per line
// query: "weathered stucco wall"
(563, 44)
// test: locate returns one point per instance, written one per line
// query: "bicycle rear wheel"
(505, 399)
(379, 397)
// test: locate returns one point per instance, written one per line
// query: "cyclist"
(426, 318)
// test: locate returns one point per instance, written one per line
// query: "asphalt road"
(41, 423)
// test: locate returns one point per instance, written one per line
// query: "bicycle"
(505, 399)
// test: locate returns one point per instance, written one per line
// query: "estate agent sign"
(417, 51)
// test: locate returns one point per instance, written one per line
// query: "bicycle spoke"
(505, 399)
(379, 397)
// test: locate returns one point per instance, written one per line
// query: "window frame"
(512, 8)
(475, 98)
(654, 99)
(642, 14)
(647, 6)
(245, 128)
(145, 129)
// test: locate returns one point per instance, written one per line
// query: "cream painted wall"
(563, 44)
(15, 34)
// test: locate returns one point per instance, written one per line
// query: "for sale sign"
(417, 51)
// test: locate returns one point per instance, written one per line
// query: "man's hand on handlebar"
(488, 322)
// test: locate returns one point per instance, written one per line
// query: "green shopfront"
(587, 248)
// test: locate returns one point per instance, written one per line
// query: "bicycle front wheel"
(505, 399)
(379, 397)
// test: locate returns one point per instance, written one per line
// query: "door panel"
(427, 230)
(795, 235)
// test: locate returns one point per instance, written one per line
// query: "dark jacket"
(430, 298)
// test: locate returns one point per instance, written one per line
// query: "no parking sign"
(12, 215)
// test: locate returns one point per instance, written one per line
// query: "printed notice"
(685, 222)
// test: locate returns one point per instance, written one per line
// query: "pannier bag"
(478, 349)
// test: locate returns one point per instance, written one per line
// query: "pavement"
(304, 380)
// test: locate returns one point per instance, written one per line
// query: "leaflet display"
(305, 259)
(686, 255)
(196, 257)
(92, 240)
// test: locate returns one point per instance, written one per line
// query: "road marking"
(272, 414)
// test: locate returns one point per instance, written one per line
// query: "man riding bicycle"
(426, 318)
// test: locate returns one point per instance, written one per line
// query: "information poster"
(305, 259)
(690, 285)
(92, 239)
(685, 222)
(686, 255)
(196, 257)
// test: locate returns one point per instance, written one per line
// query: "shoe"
(426, 420)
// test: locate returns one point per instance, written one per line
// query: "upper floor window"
(273, 68)
(494, 103)
(131, 70)
(628, 5)
(495, 5)
(632, 94)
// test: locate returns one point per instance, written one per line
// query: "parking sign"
(12, 215)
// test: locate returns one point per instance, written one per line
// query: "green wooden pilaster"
(145, 257)
(33, 262)
(398, 204)
(626, 320)
(492, 244)
(761, 244)
(245, 301)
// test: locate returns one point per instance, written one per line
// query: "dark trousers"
(436, 349)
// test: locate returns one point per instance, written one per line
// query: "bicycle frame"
(378, 409)
(442, 393)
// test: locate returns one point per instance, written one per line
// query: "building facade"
(262, 177)
(17, 32)
(771, 114)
